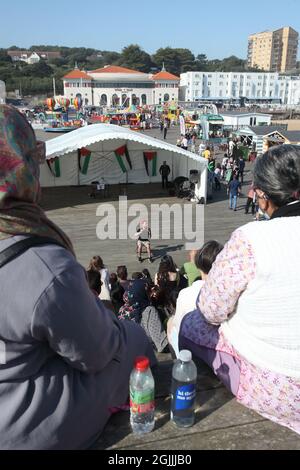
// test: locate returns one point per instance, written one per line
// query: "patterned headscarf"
(20, 155)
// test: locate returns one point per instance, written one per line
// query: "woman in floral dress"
(247, 327)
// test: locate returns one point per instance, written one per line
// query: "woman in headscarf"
(65, 359)
(137, 307)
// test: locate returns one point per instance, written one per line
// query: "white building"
(166, 87)
(2, 92)
(232, 86)
(118, 86)
(237, 120)
(32, 57)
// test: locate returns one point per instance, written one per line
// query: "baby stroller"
(187, 190)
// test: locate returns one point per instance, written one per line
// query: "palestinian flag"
(151, 157)
(123, 158)
(54, 166)
(84, 155)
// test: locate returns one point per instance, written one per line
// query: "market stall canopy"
(214, 117)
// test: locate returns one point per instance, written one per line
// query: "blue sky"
(217, 28)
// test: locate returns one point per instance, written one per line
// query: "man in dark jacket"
(164, 171)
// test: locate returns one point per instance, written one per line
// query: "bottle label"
(185, 397)
(142, 402)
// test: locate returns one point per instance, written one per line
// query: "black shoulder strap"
(13, 251)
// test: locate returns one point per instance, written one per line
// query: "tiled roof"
(115, 69)
(78, 74)
(165, 76)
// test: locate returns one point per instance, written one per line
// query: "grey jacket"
(65, 359)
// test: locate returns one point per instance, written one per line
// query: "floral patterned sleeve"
(228, 278)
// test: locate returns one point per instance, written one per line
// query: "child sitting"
(187, 298)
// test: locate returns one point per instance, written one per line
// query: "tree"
(201, 63)
(175, 60)
(40, 69)
(135, 58)
(110, 57)
(15, 48)
(4, 57)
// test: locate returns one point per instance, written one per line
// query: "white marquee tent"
(102, 140)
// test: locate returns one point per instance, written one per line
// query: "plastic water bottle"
(183, 394)
(141, 397)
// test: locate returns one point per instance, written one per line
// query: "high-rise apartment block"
(274, 51)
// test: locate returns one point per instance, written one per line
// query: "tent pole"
(187, 167)
(172, 166)
(78, 174)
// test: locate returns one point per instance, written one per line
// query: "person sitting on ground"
(65, 358)
(137, 308)
(94, 281)
(116, 292)
(147, 276)
(168, 277)
(187, 298)
(96, 264)
(247, 326)
(136, 275)
(122, 274)
(189, 269)
(143, 235)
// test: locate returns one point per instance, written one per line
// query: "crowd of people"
(146, 301)
(69, 335)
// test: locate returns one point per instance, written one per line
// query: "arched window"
(125, 101)
(86, 101)
(115, 100)
(144, 99)
(166, 97)
(134, 100)
(103, 100)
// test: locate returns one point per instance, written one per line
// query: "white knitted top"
(265, 328)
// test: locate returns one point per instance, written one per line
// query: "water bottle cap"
(141, 363)
(185, 355)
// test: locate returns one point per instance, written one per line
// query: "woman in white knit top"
(248, 327)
